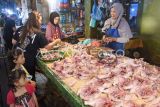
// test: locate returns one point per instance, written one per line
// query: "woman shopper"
(31, 40)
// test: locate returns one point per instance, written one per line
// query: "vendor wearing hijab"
(53, 30)
(116, 29)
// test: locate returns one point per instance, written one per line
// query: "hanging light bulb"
(110, 1)
(53, 5)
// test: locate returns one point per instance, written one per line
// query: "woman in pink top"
(53, 31)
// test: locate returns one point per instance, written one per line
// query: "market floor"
(52, 101)
(51, 98)
(42, 103)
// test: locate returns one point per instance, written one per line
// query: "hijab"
(120, 23)
(119, 11)
(53, 15)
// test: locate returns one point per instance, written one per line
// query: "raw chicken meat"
(123, 82)
(128, 104)
(146, 92)
(99, 102)
(88, 92)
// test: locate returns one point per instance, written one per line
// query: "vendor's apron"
(113, 32)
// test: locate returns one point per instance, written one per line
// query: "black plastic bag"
(73, 40)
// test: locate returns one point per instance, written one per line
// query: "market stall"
(98, 78)
(65, 91)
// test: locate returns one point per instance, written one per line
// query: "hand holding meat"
(110, 39)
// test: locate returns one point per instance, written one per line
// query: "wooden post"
(93, 33)
(18, 3)
(24, 6)
(43, 8)
(33, 4)
(140, 12)
(88, 6)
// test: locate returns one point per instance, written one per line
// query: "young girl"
(21, 93)
(17, 61)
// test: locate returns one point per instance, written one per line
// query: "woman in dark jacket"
(31, 40)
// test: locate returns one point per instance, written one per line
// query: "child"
(17, 62)
(21, 93)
